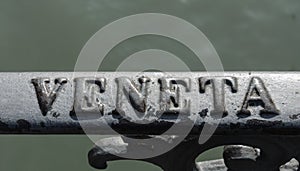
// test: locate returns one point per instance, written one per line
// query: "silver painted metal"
(256, 102)
(257, 109)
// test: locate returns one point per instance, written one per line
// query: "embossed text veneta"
(142, 96)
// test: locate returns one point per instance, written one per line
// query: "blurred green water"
(41, 35)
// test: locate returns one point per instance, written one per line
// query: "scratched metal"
(218, 165)
(250, 102)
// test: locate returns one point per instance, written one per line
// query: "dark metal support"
(272, 156)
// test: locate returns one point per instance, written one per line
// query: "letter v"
(45, 95)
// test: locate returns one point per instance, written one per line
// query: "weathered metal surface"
(257, 109)
(237, 156)
(270, 153)
(218, 165)
(255, 103)
(213, 165)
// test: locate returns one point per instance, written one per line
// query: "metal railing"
(255, 115)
